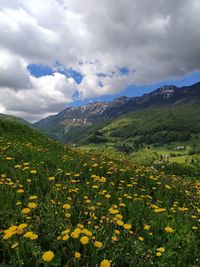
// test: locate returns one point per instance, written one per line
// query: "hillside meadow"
(61, 206)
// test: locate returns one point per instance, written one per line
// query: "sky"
(60, 53)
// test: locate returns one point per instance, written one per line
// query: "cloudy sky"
(57, 53)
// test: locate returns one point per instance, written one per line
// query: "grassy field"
(63, 206)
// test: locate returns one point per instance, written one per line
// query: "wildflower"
(117, 232)
(11, 229)
(161, 249)
(194, 228)
(76, 233)
(17, 166)
(159, 210)
(66, 231)
(52, 178)
(98, 244)
(8, 235)
(66, 206)
(169, 230)
(28, 234)
(114, 211)
(103, 179)
(48, 256)
(22, 226)
(127, 226)
(147, 227)
(8, 158)
(158, 254)
(77, 255)
(120, 223)
(119, 216)
(65, 237)
(33, 237)
(20, 191)
(26, 210)
(140, 238)
(84, 240)
(114, 238)
(33, 171)
(33, 197)
(32, 205)
(105, 263)
(86, 232)
(122, 205)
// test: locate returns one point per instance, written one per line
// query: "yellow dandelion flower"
(12, 228)
(26, 210)
(119, 222)
(127, 226)
(65, 237)
(33, 237)
(33, 197)
(32, 205)
(20, 191)
(158, 254)
(147, 227)
(75, 234)
(114, 238)
(28, 234)
(159, 210)
(22, 226)
(33, 171)
(169, 229)
(84, 240)
(8, 235)
(66, 206)
(195, 228)
(161, 249)
(77, 255)
(48, 256)
(105, 263)
(86, 232)
(98, 244)
(140, 238)
(66, 231)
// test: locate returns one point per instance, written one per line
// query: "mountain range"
(76, 124)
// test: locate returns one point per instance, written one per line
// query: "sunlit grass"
(68, 207)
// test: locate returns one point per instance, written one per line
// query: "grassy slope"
(28, 159)
(13, 119)
(139, 127)
(175, 117)
(19, 130)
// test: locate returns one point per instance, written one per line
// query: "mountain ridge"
(57, 125)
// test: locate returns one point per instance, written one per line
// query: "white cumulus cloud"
(154, 40)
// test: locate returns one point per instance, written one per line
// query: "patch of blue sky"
(124, 70)
(41, 70)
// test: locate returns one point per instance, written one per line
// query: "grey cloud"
(12, 72)
(158, 40)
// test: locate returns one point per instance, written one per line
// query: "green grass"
(91, 195)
